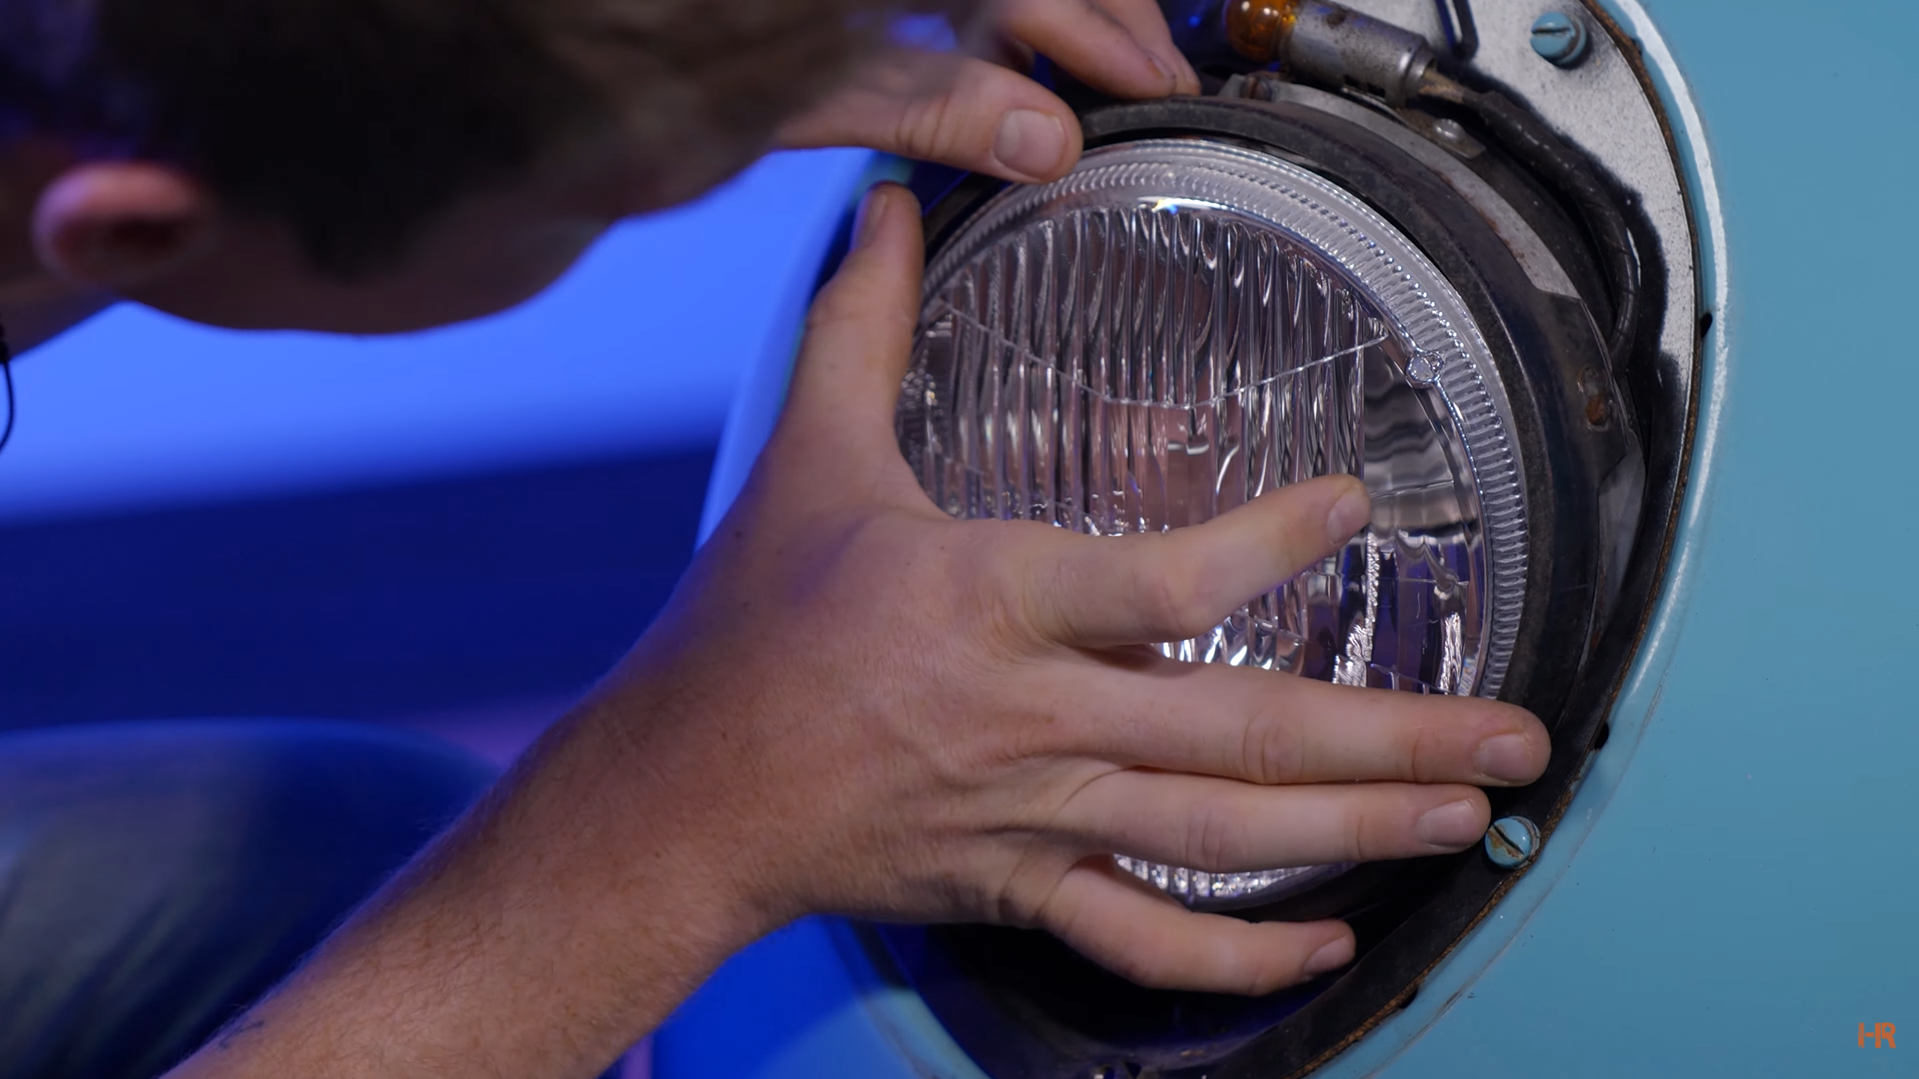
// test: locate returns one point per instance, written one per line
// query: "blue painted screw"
(1512, 841)
(1560, 39)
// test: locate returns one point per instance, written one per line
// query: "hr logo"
(1880, 1036)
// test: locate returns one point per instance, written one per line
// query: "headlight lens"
(1182, 325)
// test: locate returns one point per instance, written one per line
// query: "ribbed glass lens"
(1179, 327)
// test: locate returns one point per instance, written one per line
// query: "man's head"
(262, 162)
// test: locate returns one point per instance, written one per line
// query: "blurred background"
(456, 530)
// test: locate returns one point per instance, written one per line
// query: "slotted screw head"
(1512, 841)
(1560, 39)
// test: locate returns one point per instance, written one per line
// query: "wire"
(6, 376)
(1530, 140)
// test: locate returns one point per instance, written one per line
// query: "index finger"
(974, 115)
(1120, 46)
(1171, 586)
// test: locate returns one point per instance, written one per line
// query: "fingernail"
(1030, 142)
(1349, 515)
(872, 211)
(1165, 72)
(1506, 757)
(1331, 956)
(1453, 825)
(1168, 71)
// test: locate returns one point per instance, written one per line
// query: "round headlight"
(1182, 325)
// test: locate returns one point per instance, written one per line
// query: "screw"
(1512, 842)
(1560, 39)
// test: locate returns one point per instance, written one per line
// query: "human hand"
(856, 704)
(986, 117)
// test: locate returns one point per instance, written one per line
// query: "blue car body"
(1735, 889)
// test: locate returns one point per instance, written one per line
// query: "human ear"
(121, 225)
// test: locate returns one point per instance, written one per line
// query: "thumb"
(859, 335)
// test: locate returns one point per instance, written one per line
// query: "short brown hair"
(356, 120)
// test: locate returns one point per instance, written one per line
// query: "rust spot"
(1592, 383)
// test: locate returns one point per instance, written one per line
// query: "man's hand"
(984, 117)
(856, 704)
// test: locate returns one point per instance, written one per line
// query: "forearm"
(518, 944)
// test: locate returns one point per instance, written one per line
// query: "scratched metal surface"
(1733, 895)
